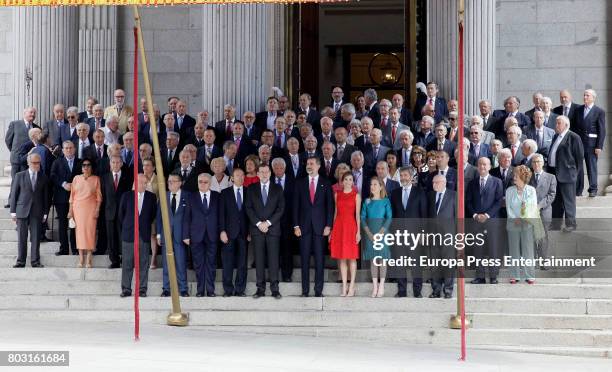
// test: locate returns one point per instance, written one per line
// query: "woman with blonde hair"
(219, 180)
(375, 219)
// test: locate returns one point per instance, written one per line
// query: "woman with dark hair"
(391, 159)
(85, 201)
(360, 107)
(375, 219)
(251, 165)
(418, 159)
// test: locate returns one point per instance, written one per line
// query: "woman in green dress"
(376, 219)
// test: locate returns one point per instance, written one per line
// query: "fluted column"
(242, 55)
(45, 56)
(479, 50)
(97, 54)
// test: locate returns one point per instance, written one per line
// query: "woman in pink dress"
(345, 235)
(85, 201)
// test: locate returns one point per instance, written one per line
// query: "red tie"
(228, 128)
(327, 167)
(431, 102)
(312, 190)
(384, 123)
(116, 181)
(393, 131)
(513, 151)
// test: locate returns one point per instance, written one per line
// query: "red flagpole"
(136, 227)
(460, 189)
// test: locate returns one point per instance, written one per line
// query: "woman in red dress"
(345, 235)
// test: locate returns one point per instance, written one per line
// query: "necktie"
(264, 195)
(278, 181)
(340, 152)
(99, 153)
(586, 110)
(367, 139)
(482, 184)
(237, 141)
(128, 157)
(97, 123)
(405, 198)
(406, 161)
(173, 203)
(546, 121)
(327, 167)
(208, 154)
(383, 124)
(184, 174)
(336, 106)
(170, 156)
(438, 201)
(33, 179)
(503, 174)
(139, 202)
(70, 165)
(393, 132)
(376, 152)
(116, 183)
(81, 149)
(565, 111)
(513, 149)
(180, 122)
(239, 199)
(312, 190)
(430, 102)
(279, 142)
(537, 179)
(294, 161)
(230, 164)
(440, 146)
(228, 128)
(205, 202)
(356, 180)
(539, 136)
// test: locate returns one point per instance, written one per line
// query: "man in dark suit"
(170, 152)
(312, 116)
(16, 136)
(438, 103)
(361, 174)
(449, 173)
(97, 121)
(441, 142)
(114, 184)
(209, 150)
(566, 108)
(379, 152)
(29, 207)
(505, 171)
(265, 119)
(89, 109)
(483, 201)
(511, 107)
(486, 113)
(147, 210)
(53, 127)
(233, 224)
(197, 137)
(201, 233)
(265, 204)
(189, 173)
(63, 171)
(244, 147)
(328, 162)
(564, 161)
(478, 149)
(288, 240)
(409, 204)
(537, 100)
(405, 114)
(441, 213)
(251, 131)
(313, 212)
(382, 172)
(371, 100)
(590, 125)
(343, 149)
(183, 123)
(224, 129)
(425, 136)
(177, 200)
(97, 150)
(540, 133)
(363, 142)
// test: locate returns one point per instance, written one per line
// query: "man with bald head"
(119, 109)
(567, 107)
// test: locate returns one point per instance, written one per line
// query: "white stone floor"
(110, 347)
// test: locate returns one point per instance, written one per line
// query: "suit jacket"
(175, 217)
(547, 136)
(272, 211)
(17, 135)
(568, 158)
(506, 182)
(592, 128)
(253, 134)
(92, 123)
(323, 170)
(387, 139)
(112, 197)
(375, 158)
(125, 114)
(314, 118)
(486, 201)
(145, 219)
(313, 217)
(571, 114)
(416, 207)
(52, 129)
(501, 115)
(198, 222)
(216, 152)
(423, 140)
(449, 147)
(301, 169)
(288, 193)
(484, 152)
(169, 165)
(391, 185)
(83, 116)
(451, 179)
(261, 120)
(546, 190)
(46, 159)
(469, 173)
(518, 156)
(448, 206)
(362, 145)
(441, 108)
(220, 132)
(346, 154)
(190, 183)
(91, 152)
(27, 201)
(551, 122)
(66, 136)
(374, 114)
(60, 173)
(231, 220)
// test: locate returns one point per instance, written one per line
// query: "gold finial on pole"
(461, 11)
(176, 317)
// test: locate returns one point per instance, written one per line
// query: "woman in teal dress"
(376, 219)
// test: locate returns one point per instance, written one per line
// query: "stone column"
(479, 50)
(242, 56)
(45, 58)
(97, 62)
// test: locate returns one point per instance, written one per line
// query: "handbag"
(72, 223)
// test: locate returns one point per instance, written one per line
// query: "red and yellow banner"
(154, 2)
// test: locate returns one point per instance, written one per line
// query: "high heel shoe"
(89, 261)
(381, 291)
(351, 293)
(374, 291)
(344, 291)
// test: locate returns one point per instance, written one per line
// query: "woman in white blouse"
(220, 180)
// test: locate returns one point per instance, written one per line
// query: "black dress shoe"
(38, 264)
(319, 295)
(211, 295)
(7, 206)
(286, 280)
(199, 294)
(125, 294)
(304, 295)
(18, 265)
(227, 295)
(259, 294)
(44, 239)
(493, 281)
(142, 294)
(114, 266)
(568, 229)
(418, 295)
(276, 295)
(434, 295)
(240, 294)
(448, 295)
(60, 253)
(478, 281)
(184, 294)
(165, 293)
(399, 295)
(592, 194)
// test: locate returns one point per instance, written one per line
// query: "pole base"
(455, 322)
(178, 319)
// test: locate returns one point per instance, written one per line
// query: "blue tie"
(438, 201)
(239, 200)
(205, 203)
(264, 195)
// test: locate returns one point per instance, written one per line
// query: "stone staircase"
(561, 314)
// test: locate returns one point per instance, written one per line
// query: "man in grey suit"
(514, 134)
(540, 133)
(52, 128)
(29, 206)
(546, 189)
(16, 136)
(486, 137)
(391, 132)
(379, 152)
(550, 118)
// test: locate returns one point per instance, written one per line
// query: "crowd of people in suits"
(249, 190)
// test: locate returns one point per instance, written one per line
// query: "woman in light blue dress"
(376, 219)
(523, 224)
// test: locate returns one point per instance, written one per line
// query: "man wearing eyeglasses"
(119, 109)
